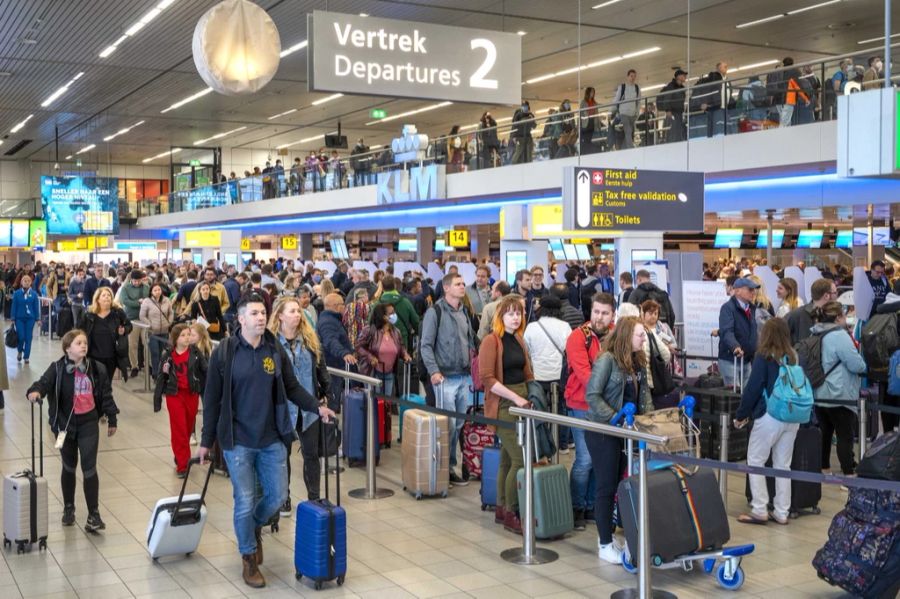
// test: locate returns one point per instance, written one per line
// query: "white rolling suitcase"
(25, 512)
(176, 524)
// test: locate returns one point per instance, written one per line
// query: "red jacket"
(580, 358)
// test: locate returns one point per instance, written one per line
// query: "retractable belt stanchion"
(528, 554)
(554, 428)
(49, 303)
(370, 491)
(145, 337)
(723, 454)
(863, 426)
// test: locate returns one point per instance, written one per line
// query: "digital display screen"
(516, 260)
(763, 239)
(583, 251)
(197, 258)
(406, 245)
(5, 239)
(844, 239)
(810, 238)
(440, 245)
(556, 246)
(570, 251)
(339, 248)
(728, 238)
(19, 234)
(79, 205)
(642, 256)
(231, 258)
(37, 233)
(880, 236)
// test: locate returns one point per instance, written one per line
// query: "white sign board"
(702, 301)
(810, 276)
(863, 295)
(404, 59)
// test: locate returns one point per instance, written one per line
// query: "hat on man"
(744, 282)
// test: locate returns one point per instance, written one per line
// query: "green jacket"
(130, 297)
(407, 319)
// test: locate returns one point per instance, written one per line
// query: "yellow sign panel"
(81, 243)
(289, 242)
(245, 245)
(66, 246)
(203, 239)
(547, 221)
(458, 238)
(103, 242)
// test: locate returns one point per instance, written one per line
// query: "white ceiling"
(155, 68)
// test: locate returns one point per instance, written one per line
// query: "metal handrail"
(594, 427)
(354, 376)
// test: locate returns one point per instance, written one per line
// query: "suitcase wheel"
(274, 527)
(444, 494)
(42, 544)
(298, 576)
(657, 560)
(734, 583)
(418, 496)
(340, 580)
(20, 548)
(318, 585)
(815, 510)
(483, 507)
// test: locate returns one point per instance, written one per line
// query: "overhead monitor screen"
(583, 251)
(20, 234)
(810, 239)
(570, 251)
(777, 239)
(880, 236)
(5, 239)
(556, 246)
(440, 245)
(80, 205)
(728, 238)
(844, 239)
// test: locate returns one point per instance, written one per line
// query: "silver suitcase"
(25, 511)
(176, 523)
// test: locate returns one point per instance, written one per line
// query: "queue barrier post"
(863, 425)
(528, 554)
(49, 303)
(554, 428)
(723, 454)
(145, 339)
(371, 491)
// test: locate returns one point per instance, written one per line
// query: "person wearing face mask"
(489, 141)
(522, 124)
(78, 392)
(408, 321)
(380, 346)
(617, 377)
(872, 76)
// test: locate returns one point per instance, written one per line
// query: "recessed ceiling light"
(789, 13)
(55, 95)
(86, 149)
(411, 112)
(28, 41)
(592, 65)
(21, 124)
(218, 136)
(300, 141)
(327, 99)
(137, 26)
(190, 98)
(5, 73)
(122, 131)
(362, 14)
(161, 155)
(294, 48)
(521, 32)
(281, 114)
(605, 4)
(875, 39)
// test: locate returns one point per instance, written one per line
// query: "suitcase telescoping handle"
(337, 463)
(738, 374)
(209, 471)
(40, 432)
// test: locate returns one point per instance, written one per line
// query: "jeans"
(627, 130)
(25, 332)
(387, 385)
(246, 466)
(157, 343)
(837, 420)
(453, 395)
(727, 370)
(770, 435)
(77, 311)
(582, 482)
(608, 461)
(785, 113)
(715, 124)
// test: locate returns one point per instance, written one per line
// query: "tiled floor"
(398, 547)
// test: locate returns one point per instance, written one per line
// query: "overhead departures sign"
(632, 200)
(386, 57)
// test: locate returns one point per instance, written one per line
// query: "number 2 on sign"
(477, 79)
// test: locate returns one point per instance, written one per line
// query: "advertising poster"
(702, 301)
(37, 233)
(80, 205)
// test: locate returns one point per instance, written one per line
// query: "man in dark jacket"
(714, 96)
(249, 382)
(737, 331)
(647, 290)
(522, 124)
(340, 275)
(93, 283)
(800, 320)
(335, 342)
(570, 313)
(233, 291)
(671, 101)
(879, 282)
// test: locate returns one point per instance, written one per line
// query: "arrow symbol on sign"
(583, 199)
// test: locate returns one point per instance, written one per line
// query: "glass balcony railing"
(706, 106)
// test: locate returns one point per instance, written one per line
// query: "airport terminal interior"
(239, 235)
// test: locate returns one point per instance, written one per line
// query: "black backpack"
(700, 92)
(809, 354)
(879, 339)
(758, 96)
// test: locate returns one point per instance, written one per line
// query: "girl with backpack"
(619, 376)
(843, 366)
(769, 435)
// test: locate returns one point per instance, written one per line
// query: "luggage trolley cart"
(726, 562)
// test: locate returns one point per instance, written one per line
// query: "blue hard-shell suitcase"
(355, 428)
(490, 464)
(320, 540)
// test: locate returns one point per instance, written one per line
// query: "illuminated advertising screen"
(407, 245)
(19, 234)
(844, 239)
(810, 239)
(80, 205)
(37, 233)
(556, 246)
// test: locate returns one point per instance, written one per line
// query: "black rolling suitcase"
(805, 497)
(686, 513)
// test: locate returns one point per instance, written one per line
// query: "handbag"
(211, 327)
(12, 337)
(659, 370)
(665, 423)
(330, 441)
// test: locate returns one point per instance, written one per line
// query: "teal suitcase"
(552, 501)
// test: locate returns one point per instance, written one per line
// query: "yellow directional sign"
(458, 238)
(289, 242)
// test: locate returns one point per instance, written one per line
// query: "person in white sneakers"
(618, 377)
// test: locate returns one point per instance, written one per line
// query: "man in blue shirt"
(737, 331)
(249, 382)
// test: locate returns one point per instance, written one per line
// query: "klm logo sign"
(418, 184)
(410, 146)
